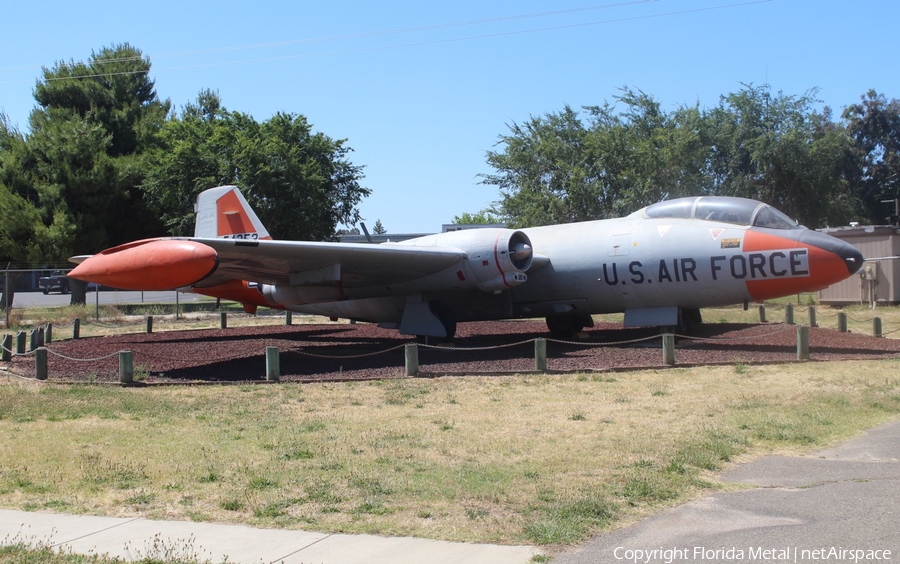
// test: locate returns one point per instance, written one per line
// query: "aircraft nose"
(853, 259)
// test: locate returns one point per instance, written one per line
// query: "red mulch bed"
(349, 352)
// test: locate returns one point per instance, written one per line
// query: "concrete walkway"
(133, 539)
(836, 505)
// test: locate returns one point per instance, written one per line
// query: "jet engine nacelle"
(497, 258)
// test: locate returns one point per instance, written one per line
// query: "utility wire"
(358, 35)
(403, 45)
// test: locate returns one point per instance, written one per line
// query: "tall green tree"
(874, 125)
(625, 155)
(543, 173)
(300, 183)
(80, 166)
(778, 149)
(630, 153)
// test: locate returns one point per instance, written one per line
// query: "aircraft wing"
(311, 263)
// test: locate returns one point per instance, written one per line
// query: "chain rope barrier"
(743, 338)
(14, 353)
(110, 355)
(303, 351)
(607, 343)
(475, 349)
(339, 357)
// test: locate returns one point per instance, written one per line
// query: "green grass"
(546, 460)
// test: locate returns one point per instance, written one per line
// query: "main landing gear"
(566, 326)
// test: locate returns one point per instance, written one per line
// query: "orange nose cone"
(829, 260)
(152, 264)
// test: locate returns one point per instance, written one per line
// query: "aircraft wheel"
(448, 320)
(565, 326)
(690, 321)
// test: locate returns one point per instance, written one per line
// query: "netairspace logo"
(663, 555)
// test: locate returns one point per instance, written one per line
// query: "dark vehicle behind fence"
(56, 282)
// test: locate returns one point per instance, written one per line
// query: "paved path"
(134, 539)
(837, 505)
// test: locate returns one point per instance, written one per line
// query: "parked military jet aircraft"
(659, 266)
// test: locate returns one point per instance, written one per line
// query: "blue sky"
(421, 90)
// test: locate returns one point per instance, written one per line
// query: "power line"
(360, 35)
(401, 45)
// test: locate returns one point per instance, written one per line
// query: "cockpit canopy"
(740, 211)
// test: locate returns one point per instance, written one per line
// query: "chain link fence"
(48, 287)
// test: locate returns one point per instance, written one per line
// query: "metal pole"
(97, 302)
(6, 295)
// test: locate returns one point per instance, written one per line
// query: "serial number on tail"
(241, 236)
(787, 263)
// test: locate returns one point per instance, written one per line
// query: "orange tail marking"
(237, 220)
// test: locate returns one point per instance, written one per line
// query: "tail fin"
(224, 213)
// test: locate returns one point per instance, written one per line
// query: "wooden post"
(288, 318)
(48, 333)
(273, 364)
(223, 320)
(7, 348)
(126, 367)
(20, 342)
(668, 343)
(540, 355)
(788, 314)
(149, 324)
(34, 340)
(876, 327)
(40, 364)
(412, 359)
(802, 342)
(812, 317)
(76, 329)
(762, 313)
(842, 322)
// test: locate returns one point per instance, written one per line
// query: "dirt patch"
(347, 352)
